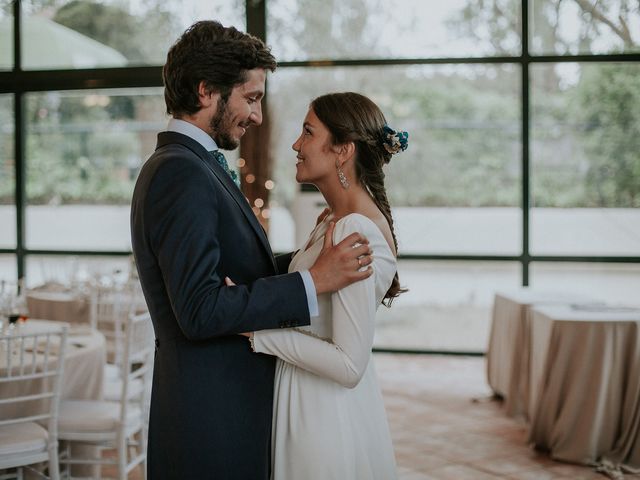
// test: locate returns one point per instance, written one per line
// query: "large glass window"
(456, 189)
(586, 166)
(7, 174)
(107, 33)
(311, 30)
(451, 73)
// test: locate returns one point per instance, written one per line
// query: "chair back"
(137, 364)
(109, 308)
(31, 370)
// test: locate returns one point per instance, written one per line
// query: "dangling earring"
(341, 176)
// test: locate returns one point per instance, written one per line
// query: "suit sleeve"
(344, 357)
(283, 261)
(182, 216)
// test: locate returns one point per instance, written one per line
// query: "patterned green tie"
(219, 157)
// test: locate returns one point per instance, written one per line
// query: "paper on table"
(602, 307)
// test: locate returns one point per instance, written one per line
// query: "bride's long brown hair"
(351, 117)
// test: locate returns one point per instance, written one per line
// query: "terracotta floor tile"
(461, 472)
(536, 474)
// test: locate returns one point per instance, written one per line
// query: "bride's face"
(315, 156)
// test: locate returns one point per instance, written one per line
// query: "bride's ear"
(346, 151)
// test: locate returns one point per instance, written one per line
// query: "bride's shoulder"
(355, 222)
(372, 228)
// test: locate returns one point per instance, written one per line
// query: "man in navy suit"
(192, 227)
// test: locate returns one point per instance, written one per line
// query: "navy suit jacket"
(211, 403)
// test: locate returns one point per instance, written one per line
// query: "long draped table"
(508, 354)
(585, 377)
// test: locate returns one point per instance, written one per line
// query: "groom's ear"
(206, 96)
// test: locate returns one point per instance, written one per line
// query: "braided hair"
(351, 117)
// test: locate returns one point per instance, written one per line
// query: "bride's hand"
(229, 283)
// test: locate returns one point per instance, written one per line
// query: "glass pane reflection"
(84, 149)
(573, 28)
(6, 36)
(585, 139)
(7, 174)
(599, 282)
(448, 306)
(104, 34)
(307, 29)
(8, 269)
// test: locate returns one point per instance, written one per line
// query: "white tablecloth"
(585, 379)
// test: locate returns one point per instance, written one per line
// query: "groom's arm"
(283, 261)
(181, 213)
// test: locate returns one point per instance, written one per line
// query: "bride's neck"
(344, 201)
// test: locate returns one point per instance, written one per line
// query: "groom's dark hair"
(220, 56)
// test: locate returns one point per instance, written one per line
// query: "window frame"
(18, 83)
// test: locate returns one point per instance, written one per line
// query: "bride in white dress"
(329, 420)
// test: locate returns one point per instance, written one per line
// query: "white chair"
(109, 308)
(31, 369)
(122, 425)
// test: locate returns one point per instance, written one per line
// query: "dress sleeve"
(344, 357)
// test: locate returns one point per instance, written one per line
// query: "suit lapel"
(225, 180)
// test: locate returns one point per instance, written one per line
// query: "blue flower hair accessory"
(393, 141)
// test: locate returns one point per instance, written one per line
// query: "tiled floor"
(445, 426)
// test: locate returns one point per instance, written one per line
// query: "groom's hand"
(340, 265)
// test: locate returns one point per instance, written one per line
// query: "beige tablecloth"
(585, 378)
(508, 354)
(60, 306)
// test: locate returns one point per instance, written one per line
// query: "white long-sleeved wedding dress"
(329, 420)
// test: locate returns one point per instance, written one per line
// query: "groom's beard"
(221, 123)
